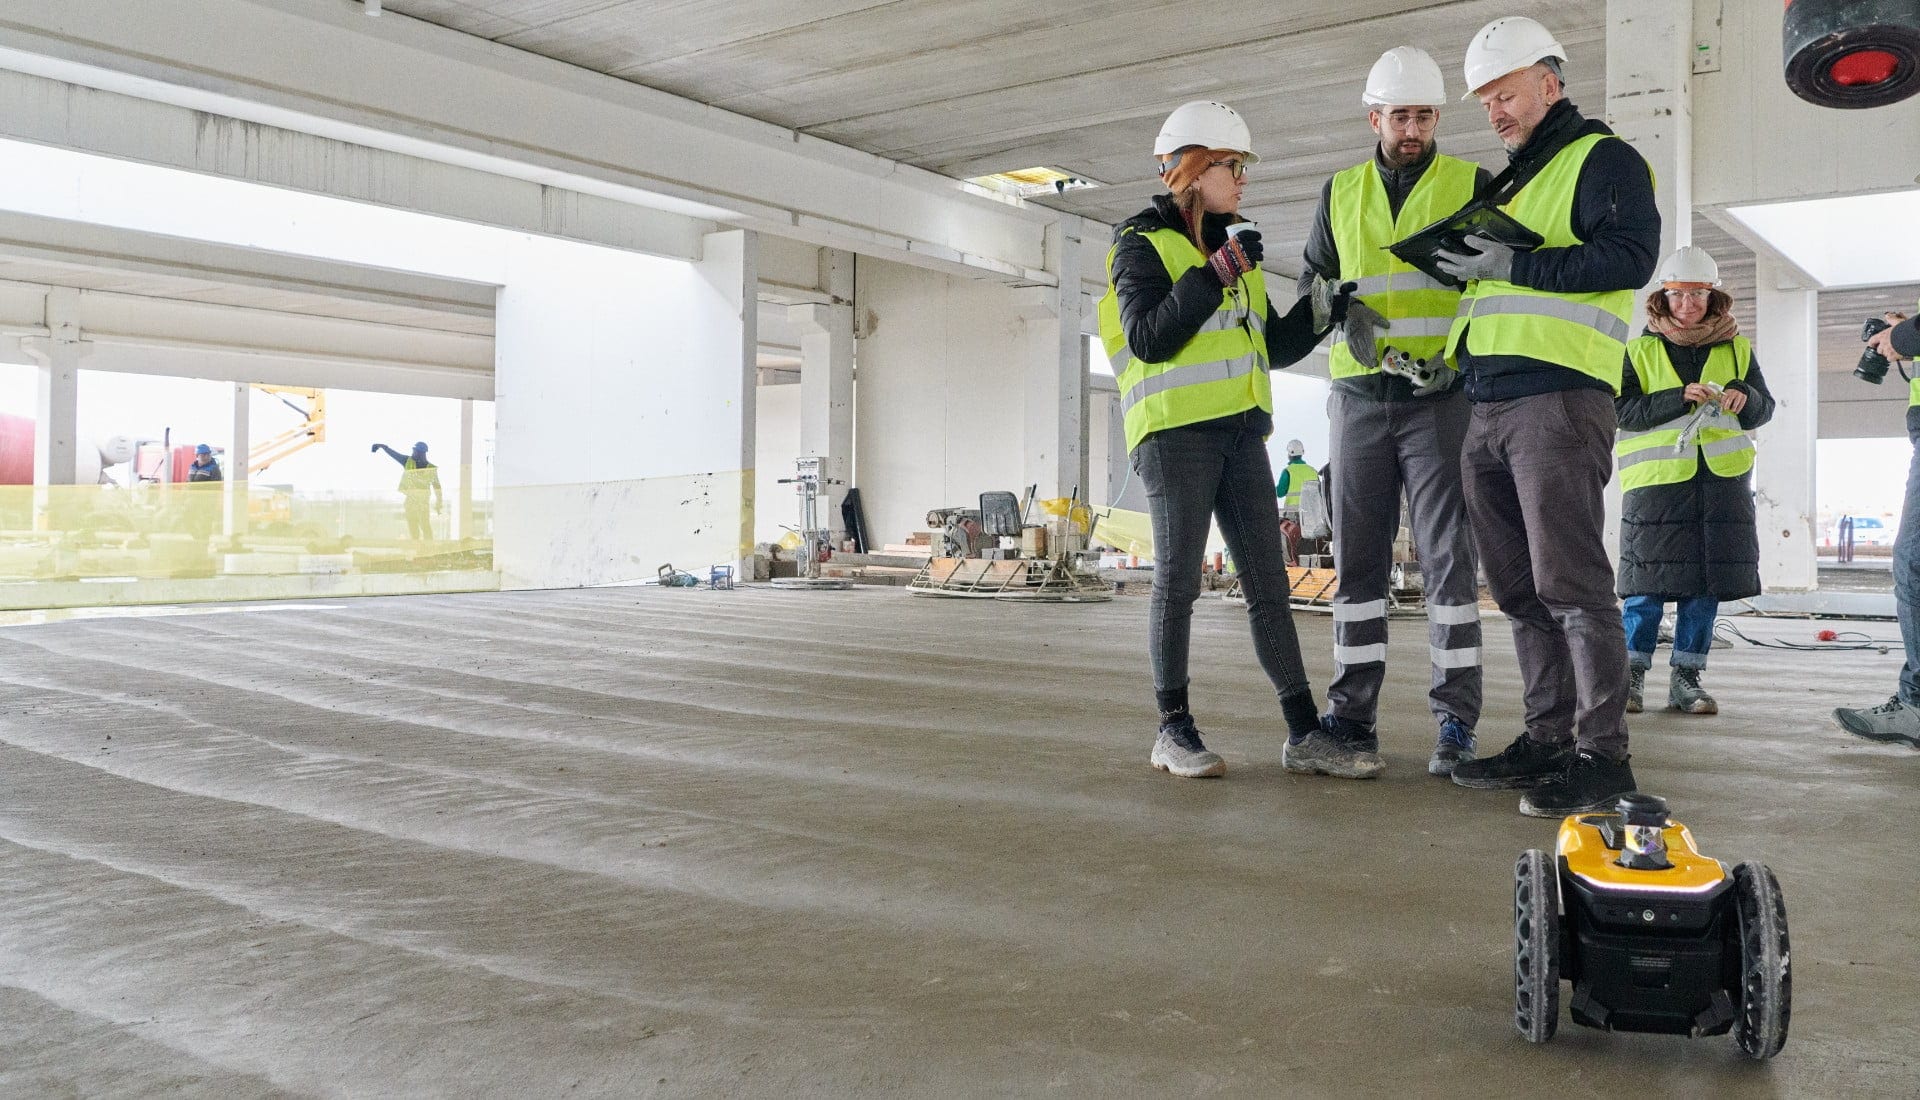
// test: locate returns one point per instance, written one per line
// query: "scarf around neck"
(1707, 332)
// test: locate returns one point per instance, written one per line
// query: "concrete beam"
(404, 86)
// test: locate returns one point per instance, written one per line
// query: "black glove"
(1241, 254)
(374, 450)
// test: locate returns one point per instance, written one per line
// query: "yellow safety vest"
(1420, 307)
(1221, 371)
(1582, 332)
(1298, 475)
(1649, 458)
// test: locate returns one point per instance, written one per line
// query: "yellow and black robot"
(1653, 935)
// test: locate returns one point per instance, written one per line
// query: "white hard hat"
(1207, 123)
(1690, 264)
(1405, 77)
(1296, 448)
(1507, 46)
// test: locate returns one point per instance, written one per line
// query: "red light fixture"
(1852, 53)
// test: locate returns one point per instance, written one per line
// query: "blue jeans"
(1906, 570)
(1692, 630)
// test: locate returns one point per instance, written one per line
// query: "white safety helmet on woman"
(1507, 46)
(1405, 77)
(1690, 266)
(1207, 124)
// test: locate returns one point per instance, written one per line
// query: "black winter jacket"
(1619, 226)
(1697, 537)
(1322, 258)
(1159, 314)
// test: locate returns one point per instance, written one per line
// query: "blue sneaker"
(1454, 747)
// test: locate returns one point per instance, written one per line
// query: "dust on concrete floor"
(636, 841)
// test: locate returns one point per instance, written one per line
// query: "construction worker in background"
(203, 508)
(1393, 434)
(1898, 719)
(1687, 531)
(418, 477)
(1294, 476)
(1191, 333)
(1540, 337)
(205, 467)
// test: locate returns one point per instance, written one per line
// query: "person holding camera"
(1898, 719)
(1690, 394)
(1191, 333)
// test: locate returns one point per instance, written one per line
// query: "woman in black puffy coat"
(1687, 532)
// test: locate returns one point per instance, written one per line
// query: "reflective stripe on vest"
(1418, 307)
(1222, 370)
(1648, 458)
(1913, 387)
(1582, 332)
(1299, 475)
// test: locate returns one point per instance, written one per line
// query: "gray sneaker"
(1322, 753)
(1636, 690)
(1178, 751)
(1686, 695)
(1890, 721)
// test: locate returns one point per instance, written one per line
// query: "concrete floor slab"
(634, 841)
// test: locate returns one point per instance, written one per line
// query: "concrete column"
(1056, 391)
(463, 505)
(55, 440)
(239, 448)
(826, 386)
(1650, 101)
(1787, 345)
(1650, 104)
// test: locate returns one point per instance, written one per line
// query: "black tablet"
(1477, 218)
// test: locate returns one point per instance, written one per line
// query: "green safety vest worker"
(1419, 307)
(1648, 458)
(1582, 332)
(1221, 371)
(1293, 478)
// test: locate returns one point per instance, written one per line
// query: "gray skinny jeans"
(1193, 474)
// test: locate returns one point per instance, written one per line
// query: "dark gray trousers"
(1536, 470)
(1192, 475)
(1379, 450)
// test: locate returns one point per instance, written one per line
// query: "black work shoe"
(1636, 690)
(1453, 748)
(1686, 695)
(1592, 782)
(1525, 763)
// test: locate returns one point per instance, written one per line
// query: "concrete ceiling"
(969, 87)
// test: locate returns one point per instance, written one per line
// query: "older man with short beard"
(1541, 338)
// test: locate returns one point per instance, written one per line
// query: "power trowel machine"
(1652, 935)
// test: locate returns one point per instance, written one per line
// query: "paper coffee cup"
(1238, 228)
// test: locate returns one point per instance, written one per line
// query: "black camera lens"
(1873, 365)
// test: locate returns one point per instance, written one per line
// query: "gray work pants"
(1536, 472)
(1381, 448)
(1194, 475)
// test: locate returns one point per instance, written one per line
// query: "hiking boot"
(1684, 694)
(1636, 690)
(1890, 721)
(1454, 747)
(1178, 751)
(1326, 752)
(1525, 763)
(1592, 782)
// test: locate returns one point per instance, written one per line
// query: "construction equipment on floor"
(1653, 935)
(990, 552)
(807, 482)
